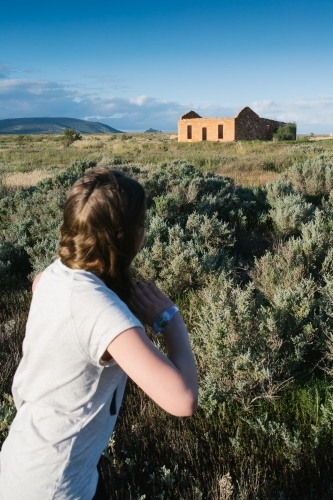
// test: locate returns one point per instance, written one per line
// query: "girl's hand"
(149, 301)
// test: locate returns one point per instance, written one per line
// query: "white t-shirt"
(67, 398)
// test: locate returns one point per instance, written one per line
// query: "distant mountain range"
(53, 126)
(152, 131)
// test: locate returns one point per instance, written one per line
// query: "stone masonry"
(247, 125)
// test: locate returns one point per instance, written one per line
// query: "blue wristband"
(164, 319)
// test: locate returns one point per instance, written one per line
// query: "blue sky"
(135, 65)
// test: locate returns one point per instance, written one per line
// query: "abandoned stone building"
(247, 125)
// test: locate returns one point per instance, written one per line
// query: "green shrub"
(252, 272)
(286, 132)
(289, 212)
(249, 348)
(29, 225)
(181, 258)
(313, 178)
(70, 136)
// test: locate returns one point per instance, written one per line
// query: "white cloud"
(139, 101)
(316, 112)
(25, 98)
(21, 98)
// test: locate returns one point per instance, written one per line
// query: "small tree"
(70, 136)
(286, 133)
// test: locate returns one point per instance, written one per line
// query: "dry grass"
(247, 162)
(252, 178)
(321, 137)
(25, 179)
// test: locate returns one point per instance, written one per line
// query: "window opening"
(204, 133)
(268, 132)
(189, 131)
(220, 131)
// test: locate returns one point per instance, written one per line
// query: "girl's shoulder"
(81, 288)
(59, 273)
(82, 293)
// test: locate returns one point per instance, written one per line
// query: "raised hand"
(149, 301)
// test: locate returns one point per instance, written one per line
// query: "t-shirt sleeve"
(98, 318)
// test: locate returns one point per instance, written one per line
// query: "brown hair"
(103, 213)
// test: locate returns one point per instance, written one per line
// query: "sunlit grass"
(247, 162)
(25, 179)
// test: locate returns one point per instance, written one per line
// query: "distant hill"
(53, 126)
(152, 131)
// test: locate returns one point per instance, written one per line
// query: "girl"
(82, 340)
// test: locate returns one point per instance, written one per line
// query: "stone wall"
(211, 124)
(271, 127)
(190, 114)
(249, 126)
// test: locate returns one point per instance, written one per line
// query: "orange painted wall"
(212, 129)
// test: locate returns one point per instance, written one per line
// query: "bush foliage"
(70, 136)
(286, 133)
(252, 271)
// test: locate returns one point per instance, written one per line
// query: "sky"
(138, 65)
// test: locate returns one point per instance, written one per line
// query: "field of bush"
(241, 236)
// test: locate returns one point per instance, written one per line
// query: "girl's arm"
(34, 284)
(170, 381)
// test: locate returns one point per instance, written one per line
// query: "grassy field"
(24, 160)
(241, 236)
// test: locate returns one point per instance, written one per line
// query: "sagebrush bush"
(313, 178)
(289, 212)
(252, 272)
(29, 224)
(180, 258)
(250, 348)
(198, 211)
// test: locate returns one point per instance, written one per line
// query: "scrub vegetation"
(250, 265)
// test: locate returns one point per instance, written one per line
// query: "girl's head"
(103, 226)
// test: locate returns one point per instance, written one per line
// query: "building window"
(269, 134)
(220, 131)
(189, 131)
(204, 133)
